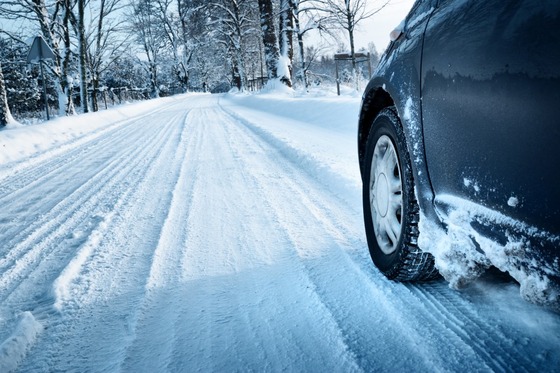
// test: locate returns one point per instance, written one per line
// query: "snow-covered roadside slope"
(318, 133)
(224, 233)
(25, 142)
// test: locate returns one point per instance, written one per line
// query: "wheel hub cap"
(385, 195)
(382, 195)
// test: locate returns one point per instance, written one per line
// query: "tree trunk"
(286, 37)
(67, 84)
(183, 70)
(350, 27)
(271, 52)
(236, 80)
(302, 73)
(353, 56)
(95, 93)
(238, 60)
(95, 61)
(154, 80)
(83, 58)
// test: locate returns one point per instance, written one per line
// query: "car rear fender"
(403, 94)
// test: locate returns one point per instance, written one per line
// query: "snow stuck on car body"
(474, 237)
(463, 252)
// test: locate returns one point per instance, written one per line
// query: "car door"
(491, 105)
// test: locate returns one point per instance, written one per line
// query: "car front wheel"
(391, 212)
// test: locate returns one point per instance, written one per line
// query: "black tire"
(391, 214)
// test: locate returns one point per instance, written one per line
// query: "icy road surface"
(220, 234)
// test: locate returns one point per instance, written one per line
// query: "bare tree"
(148, 31)
(193, 17)
(169, 22)
(308, 16)
(104, 44)
(233, 21)
(67, 85)
(347, 14)
(185, 10)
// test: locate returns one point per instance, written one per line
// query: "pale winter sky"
(378, 27)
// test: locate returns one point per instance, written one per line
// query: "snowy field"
(223, 233)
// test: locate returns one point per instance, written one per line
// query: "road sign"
(39, 52)
(359, 57)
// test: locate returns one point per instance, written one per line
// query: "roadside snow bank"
(14, 349)
(318, 133)
(331, 112)
(19, 141)
(275, 86)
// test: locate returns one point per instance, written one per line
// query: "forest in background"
(123, 50)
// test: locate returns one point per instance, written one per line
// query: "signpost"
(40, 51)
(359, 57)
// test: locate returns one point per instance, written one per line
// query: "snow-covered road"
(224, 233)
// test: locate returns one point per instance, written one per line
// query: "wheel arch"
(375, 98)
(382, 93)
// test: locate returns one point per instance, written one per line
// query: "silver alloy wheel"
(385, 195)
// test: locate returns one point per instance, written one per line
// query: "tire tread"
(414, 264)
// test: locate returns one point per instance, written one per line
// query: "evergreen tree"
(20, 81)
(5, 116)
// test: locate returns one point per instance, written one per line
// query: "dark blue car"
(459, 145)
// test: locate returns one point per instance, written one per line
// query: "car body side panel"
(491, 106)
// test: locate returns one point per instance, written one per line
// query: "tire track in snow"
(256, 280)
(35, 181)
(490, 344)
(48, 173)
(103, 179)
(42, 236)
(463, 340)
(149, 348)
(324, 260)
(236, 286)
(263, 176)
(54, 245)
(61, 286)
(110, 289)
(16, 175)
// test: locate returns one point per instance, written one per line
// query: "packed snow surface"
(224, 233)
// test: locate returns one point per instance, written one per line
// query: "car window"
(420, 10)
